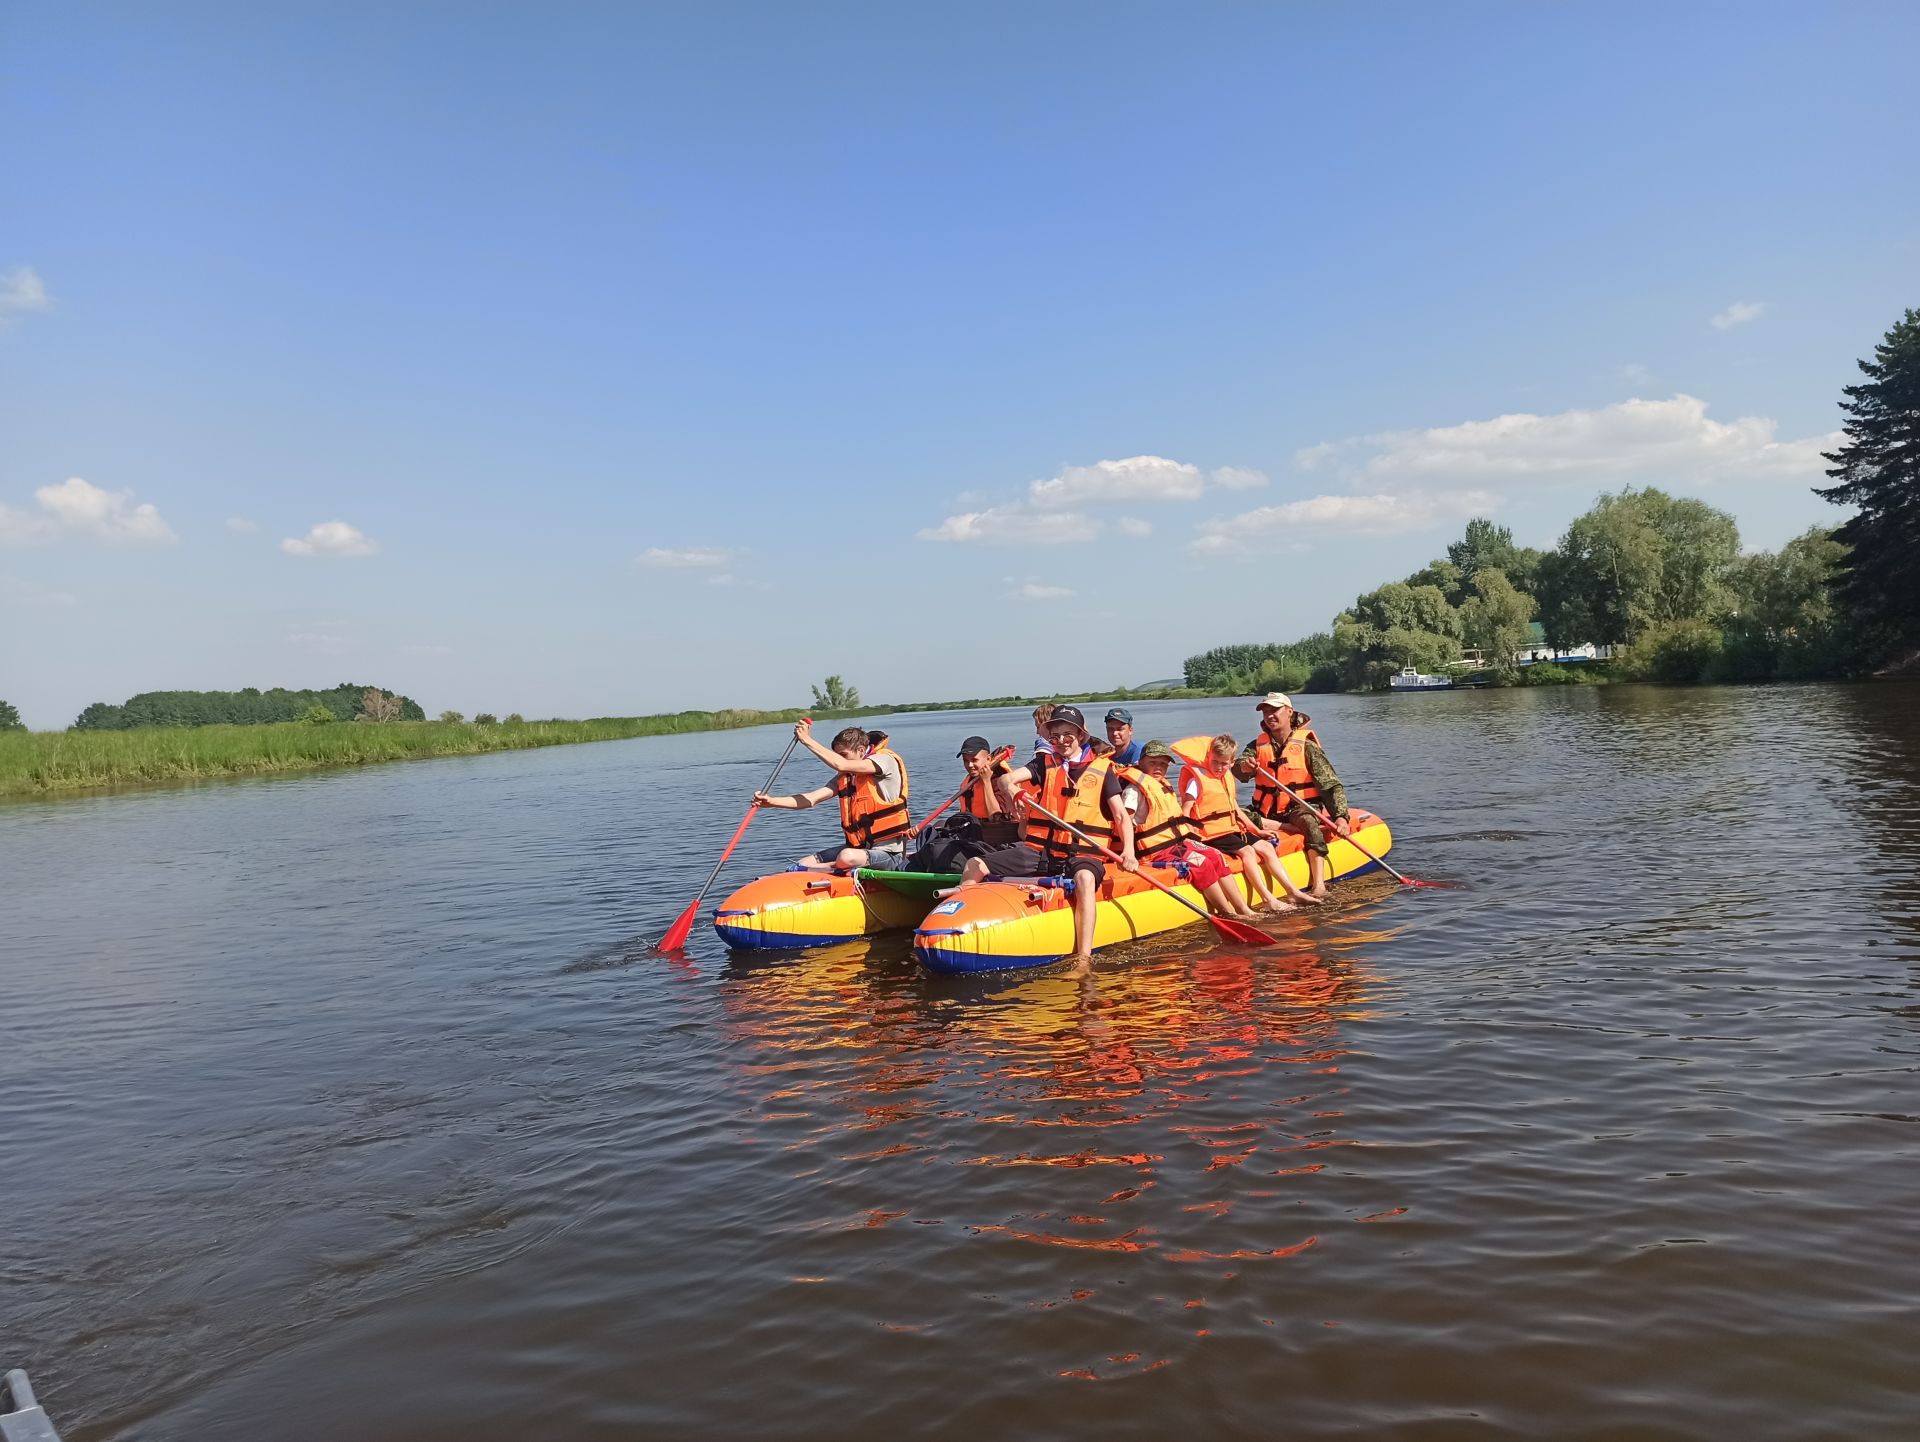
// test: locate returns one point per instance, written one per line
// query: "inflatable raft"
(1000, 925)
(818, 908)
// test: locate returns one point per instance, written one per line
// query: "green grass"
(38, 763)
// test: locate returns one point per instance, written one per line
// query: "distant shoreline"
(44, 764)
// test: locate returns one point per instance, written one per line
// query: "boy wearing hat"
(1126, 750)
(1164, 835)
(1289, 752)
(1084, 791)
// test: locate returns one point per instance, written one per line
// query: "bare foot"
(1312, 898)
(1079, 964)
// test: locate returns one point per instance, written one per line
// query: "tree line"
(249, 706)
(1660, 578)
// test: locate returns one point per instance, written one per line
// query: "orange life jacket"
(1216, 809)
(1286, 764)
(1165, 823)
(866, 818)
(1075, 800)
(974, 799)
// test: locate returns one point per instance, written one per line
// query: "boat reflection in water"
(1177, 1109)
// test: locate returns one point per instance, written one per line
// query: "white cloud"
(78, 509)
(321, 638)
(1671, 439)
(1376, 515)
(1035, 591)
(1053, 511)
(21, 291)
(1016, 525)
(1133, 526)
(1739, 313)
(31, 595)
(1635, 374)
(693, 558)
(241, 526)
(330, 538)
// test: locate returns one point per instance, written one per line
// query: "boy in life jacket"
(1083, 790)
(1213, 802)
(980, 821)
(870, 783)
(1164, 835)
(1289, 751)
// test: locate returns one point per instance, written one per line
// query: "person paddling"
(1164, 835)
(871, 785)
(1214, 804)
(1083, 790)
(1289, 751)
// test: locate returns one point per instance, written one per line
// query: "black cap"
(971, 745)
(1070, 715)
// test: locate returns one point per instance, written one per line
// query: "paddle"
(678, 933)
(1232, 930)
(1003, 754)
(1377, 860)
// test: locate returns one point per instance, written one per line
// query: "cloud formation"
(1269, 527)
(78, 510)
(1054, 511)
(1739, 313)
(1673, 439)
(22, 291)
(1035, 591)
(1421, 479)
(330, 538)
(693, 558)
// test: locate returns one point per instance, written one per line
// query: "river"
(355, 1105)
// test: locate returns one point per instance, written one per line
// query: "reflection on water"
(359, 1106)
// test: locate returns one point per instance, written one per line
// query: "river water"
(355, 1105)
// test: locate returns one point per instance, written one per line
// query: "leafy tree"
(1637, 559)
(1495, 617)
(319, 716)
(1443, 575)
(248, 707)
(1486, 546)
(837, 696)
(10, 718)
(452, 716)
(1395, 626)
(486, 718)
(514, 718)
(1877, 470)
(1239, 669)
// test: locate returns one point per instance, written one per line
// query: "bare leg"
(1316, 874)
(973, 870)
(1271, 862)
(1251, 868)
(1086, 897)
(1222, 897)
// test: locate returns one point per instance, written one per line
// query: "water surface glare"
(356, 1105)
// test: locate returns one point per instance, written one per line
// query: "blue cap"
(1120, 713)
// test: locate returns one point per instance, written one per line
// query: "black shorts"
(1024, 860)
(1230, 845)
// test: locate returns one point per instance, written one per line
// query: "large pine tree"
(1878, 471)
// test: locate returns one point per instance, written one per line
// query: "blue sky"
(631, 358)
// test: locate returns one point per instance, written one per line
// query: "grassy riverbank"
(42, 762)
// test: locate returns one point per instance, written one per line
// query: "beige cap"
(1274, 700)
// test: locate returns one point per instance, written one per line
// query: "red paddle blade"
(1239, 931)
(678, 933)
(1426, 885)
